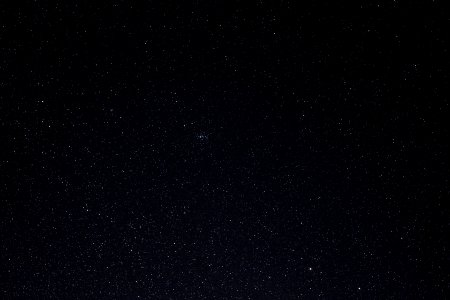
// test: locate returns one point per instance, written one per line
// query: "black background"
(224, 150)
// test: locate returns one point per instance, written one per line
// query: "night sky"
(224, 150)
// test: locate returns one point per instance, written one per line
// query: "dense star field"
(224, 150)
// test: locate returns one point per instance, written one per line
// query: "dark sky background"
(224, 150)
